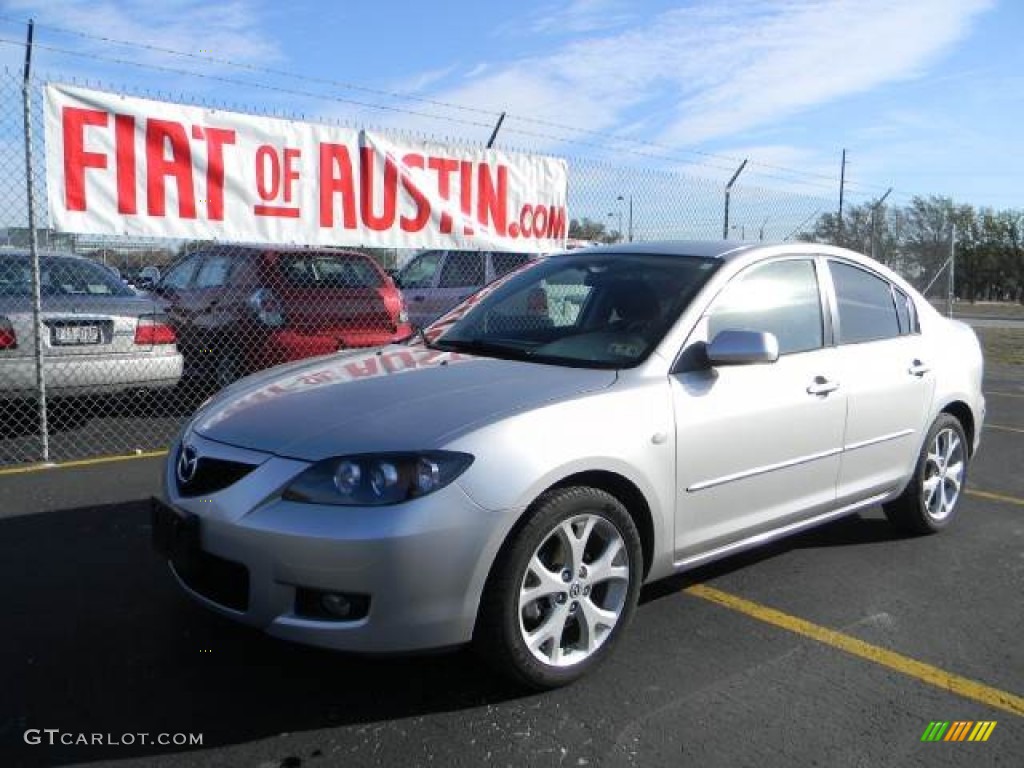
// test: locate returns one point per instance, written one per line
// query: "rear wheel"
(930, 501)
(563, 590)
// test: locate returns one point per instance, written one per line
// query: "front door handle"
(917, 368)
(822, 386)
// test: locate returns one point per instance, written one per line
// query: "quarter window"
(421, 271)
(780, 298)
(866, 308)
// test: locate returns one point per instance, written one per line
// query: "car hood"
(395, 398)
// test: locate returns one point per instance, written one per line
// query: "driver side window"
(781, 298)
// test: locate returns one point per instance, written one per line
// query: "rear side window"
(180, 276)
(780, 298)
(420, 272)
(505, 262)
(463, 269)
(214, 272)
(867, 311)
(329, 271)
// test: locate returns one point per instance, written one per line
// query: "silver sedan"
(512, 475)
(98, 335)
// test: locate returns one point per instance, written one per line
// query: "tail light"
(266, 306)
(403, 312)
(8, 338)
(152, 330)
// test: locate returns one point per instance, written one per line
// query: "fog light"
(336, 605)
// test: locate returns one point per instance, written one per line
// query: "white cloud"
(712, 71)
(227, 30)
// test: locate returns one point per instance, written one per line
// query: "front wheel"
(563, 589)
(929, 502)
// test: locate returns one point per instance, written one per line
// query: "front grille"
(225, 582)
(213, 475)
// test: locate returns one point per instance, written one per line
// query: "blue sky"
(927, 96)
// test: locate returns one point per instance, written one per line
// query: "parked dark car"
(238, 309)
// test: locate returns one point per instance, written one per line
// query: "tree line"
(917, 239)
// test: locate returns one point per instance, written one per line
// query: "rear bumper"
(286, 345)
(95, 374)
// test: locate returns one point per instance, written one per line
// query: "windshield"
(607, 310)
(59, 277)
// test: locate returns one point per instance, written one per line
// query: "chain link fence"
(133, 333)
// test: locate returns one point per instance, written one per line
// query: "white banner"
(128, 166)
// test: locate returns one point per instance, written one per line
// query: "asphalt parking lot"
(836, 647)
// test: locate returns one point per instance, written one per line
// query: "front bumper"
(422, 564)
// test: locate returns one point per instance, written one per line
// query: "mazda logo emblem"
(188, 461)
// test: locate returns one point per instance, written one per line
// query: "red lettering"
(492, 202)
(444, 167)
(466, 194)
(266, 161)
(556, 222)
(366, 164)
(417, 222)
(540, 221)
(335, 157)
(366, 367)
(124, 144)
(76, 159)
(291, 173)
(159, 167)
(216, 138)
(404, 357)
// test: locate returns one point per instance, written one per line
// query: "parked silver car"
(435, 281)
(99, 335)
(513, 475)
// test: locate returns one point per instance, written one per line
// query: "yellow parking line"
(995, 497)
(961, 686)
(1005, 394)
(1004, 429)
(81, 463)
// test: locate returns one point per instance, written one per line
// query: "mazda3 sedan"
(512, 475)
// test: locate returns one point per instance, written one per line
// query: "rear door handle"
(822, 386)
(917, 368)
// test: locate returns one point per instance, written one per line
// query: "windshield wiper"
(484, 348)
(417, 334)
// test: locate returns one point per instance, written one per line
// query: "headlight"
(377, 479)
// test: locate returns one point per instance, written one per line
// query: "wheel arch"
(962, 412)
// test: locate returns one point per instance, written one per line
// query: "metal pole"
(874, 212)
(494, 133)
(728, 191)
(951, 294)
(842, 185)
(631, 218)
(33, 244)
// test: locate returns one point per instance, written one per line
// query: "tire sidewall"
(550, 512)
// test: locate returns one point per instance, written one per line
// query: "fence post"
(33, 244)
(951, 293)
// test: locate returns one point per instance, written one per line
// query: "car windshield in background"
(605, 310)
(330, 271)
(59, 277)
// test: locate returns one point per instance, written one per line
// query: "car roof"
(707, 249)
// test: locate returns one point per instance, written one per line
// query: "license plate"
(67, 335)
(175, 535)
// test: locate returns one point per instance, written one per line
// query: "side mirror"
(743, 348)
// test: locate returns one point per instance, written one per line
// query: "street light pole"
(630, 230)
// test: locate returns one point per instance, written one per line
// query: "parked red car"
(238, 309)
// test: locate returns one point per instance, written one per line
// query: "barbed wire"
(663, 150)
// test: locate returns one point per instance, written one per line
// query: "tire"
(929, 502)
(562, 590)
